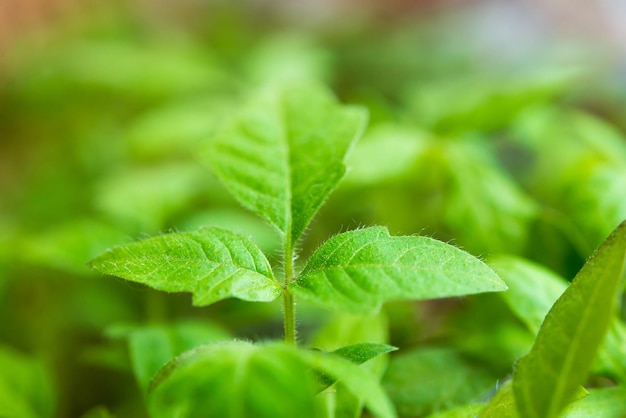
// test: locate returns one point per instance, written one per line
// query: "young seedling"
(281, 157)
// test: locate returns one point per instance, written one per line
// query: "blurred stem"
(289, 303)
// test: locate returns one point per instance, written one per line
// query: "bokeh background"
(496, 125)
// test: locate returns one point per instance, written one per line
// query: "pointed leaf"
(546, 379)
(358, 270)
(283, 156)
(355, 379)
(211, 263)
(360, 353)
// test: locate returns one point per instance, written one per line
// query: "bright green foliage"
(358, 270)
(212, 264)
(152, 347)
(255, 376)
(283, 156)
(143, 198)
(502, 405)
(459, 412)
(546, 379)
(427, 380)
(25, 387)
(532, 292)
(362, 352)
(236, 380)
(67, 246)
(346, 330)
(600, 403)
(532, 289)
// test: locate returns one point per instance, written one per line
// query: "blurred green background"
(497, 127)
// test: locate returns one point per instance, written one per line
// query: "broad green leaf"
(238, 220)
(26, 390)
(395, 150)
(152, 347)
(146, 197)
(601, 403)
(482, 103)
(176, 128)
(467, 411)
(69, 246)
(359, 270)
(502, 405)
(283, 156)
(238, 379)
(211, 263)
(545, 380)
(533, 289)
(487, 210)
(427, 380)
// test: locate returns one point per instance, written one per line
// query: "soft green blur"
(99, 124)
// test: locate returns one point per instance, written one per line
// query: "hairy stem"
(289, 303)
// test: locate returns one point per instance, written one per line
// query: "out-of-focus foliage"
(101, 136)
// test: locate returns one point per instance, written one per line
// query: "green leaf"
(69, 246)
(151, 347)
(358, 270)
(359, 354)
(395, 150)
(25, 388)
(362, 352)
(211, 263)
(545, 380)
(238, 379)
(503, 404)
(283, 156)
(346, 330)
(601, 403)
(465, 411)
(357, 380)
(427, 380)
(146, 197)
(533, 289)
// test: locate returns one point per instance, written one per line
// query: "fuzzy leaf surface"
(283, 156)
(242, 380)
(211, 263)
(545, 380)
(359, 270)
